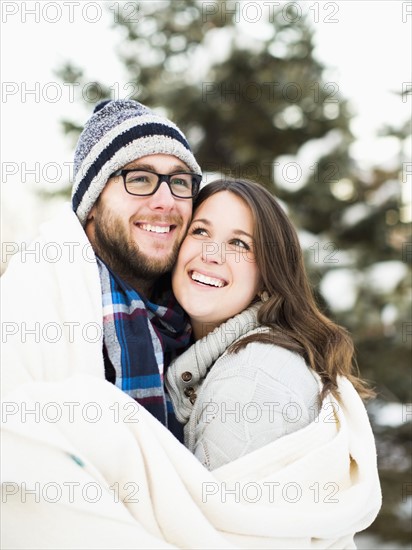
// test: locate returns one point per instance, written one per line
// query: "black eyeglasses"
(142, 183)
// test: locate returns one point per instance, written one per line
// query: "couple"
(265, 392)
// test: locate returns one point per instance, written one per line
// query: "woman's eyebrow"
(240, 232)
(235, 231)
(201, 220)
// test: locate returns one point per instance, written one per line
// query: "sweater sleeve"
(248, 400)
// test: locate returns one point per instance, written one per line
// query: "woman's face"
(216, 275)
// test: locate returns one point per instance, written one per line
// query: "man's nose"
(163, 198)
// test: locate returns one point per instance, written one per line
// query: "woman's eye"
(199, 231)
(240, 243)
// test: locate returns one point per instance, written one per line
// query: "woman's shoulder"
(262, 356)
(269, 364)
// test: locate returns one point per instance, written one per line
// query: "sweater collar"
(191, 367)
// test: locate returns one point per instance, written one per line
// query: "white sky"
(367, 47)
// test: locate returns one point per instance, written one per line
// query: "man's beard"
(122, 254)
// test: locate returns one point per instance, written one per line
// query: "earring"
(264, 296)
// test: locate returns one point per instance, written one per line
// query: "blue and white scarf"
(139, 340)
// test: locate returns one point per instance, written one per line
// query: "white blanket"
(51, 307)
(88, 468)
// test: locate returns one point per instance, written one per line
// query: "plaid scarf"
(139, 340)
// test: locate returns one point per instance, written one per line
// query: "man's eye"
(183, 182)
(137, 179)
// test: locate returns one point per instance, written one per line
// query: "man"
(135, 178)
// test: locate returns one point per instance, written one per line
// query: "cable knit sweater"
(235, 403)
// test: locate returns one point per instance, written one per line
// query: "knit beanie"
(118, 132)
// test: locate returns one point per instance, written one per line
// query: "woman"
(265, 356)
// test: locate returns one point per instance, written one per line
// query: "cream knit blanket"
(88, 469)
(83, 467)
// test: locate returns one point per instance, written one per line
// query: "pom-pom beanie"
(118, 132)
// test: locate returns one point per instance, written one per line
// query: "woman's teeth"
(207, 280)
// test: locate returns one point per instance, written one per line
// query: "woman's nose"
(212, 252)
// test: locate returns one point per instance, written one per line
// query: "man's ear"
(89, 225)
(90, 215)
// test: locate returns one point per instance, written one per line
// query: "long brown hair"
(291, 311)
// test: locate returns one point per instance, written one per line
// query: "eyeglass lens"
(140, 182)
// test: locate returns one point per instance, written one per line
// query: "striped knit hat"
(117, 133)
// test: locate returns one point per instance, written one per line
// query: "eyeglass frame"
(160, 179)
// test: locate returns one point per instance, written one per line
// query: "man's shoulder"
(59, 257)
(63, 222)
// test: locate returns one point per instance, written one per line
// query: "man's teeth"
(155, 228)
(207, 280)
